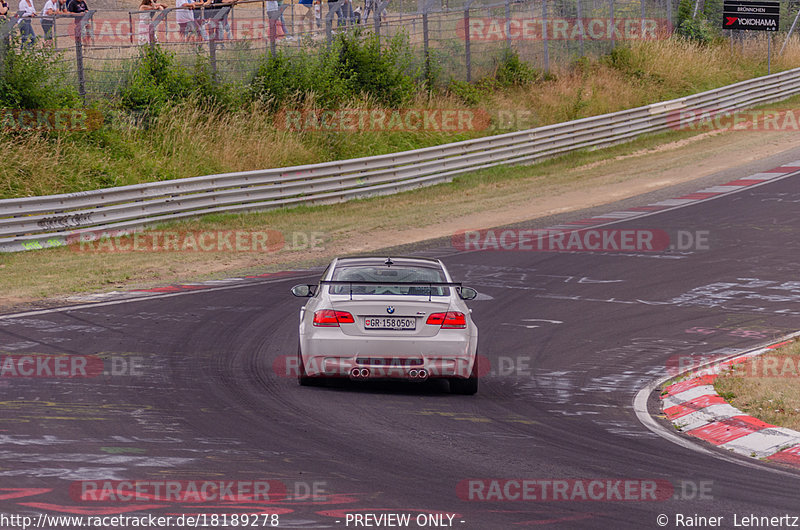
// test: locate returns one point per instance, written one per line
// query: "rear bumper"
(334, 354)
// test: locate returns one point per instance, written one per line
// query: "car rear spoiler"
(457, 285)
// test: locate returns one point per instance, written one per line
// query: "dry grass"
(487, 198)
(190, 140)
(767, 387)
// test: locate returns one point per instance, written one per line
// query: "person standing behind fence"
(145, 30)
(200, 17)
(307, 18)
(185, 19)
(219, 29)
(3, 10)
(25, 27)
(78, 8)
(275, 28)
(49, 12)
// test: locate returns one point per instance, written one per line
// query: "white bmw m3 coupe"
(388, 318)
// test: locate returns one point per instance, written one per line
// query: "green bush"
(354, 66)
(512, 71)
(155, 79)
(698, 30)
(34, 79)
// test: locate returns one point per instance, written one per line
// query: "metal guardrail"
(47, 221)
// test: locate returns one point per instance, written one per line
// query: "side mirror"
(302, 291)
(468, 293)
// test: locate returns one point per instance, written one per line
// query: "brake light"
(449, 320)
(331, 318)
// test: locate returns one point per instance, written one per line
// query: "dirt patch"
(46, 277)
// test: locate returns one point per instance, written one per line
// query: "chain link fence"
(450, 39)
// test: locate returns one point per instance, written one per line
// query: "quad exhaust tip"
(359, 373)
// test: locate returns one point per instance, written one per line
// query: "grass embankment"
(188, 138)
(483, 199)
(767, 387)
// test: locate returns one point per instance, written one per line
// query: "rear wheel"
(302, 377)
(468, 386)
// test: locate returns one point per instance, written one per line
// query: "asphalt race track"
(199, 390)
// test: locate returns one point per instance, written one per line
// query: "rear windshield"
(391, 280)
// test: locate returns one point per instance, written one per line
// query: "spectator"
(283, 22)
(145, 31)
(219, 29)
(49, 12)
(200, 17)
(275, 28)
(185, 18)
(78, 8)
(3, 10)
(344, 12)
(307, 17)
(62, 7)
(25, 27)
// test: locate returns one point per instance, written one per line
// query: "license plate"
(409, 323)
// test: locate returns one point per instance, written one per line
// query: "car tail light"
(331, 318)
(449, 320)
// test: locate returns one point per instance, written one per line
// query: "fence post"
(427, 70)
(643, 14)
(544, 37)
(467, 43)
(791, 30)
(508, 23)
(611, 21)
(212, 53)
(580, 18)
(669, 15)
(79, 25)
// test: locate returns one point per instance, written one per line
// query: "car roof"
(396, 260)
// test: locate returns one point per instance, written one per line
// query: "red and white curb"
(695, 408)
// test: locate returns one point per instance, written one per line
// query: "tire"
(468, 386)
(302, 377)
